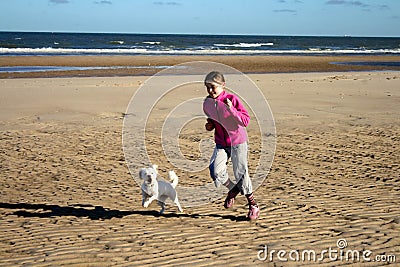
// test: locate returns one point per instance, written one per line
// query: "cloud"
(336, 2)
(285, 11)
(346, 2)
(384, 7)
(160, 3)
(59, 1)
(295, 1)
(103, 2)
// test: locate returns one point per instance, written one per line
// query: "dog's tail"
(173, 178)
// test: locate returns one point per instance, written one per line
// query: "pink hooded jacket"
(229, 123)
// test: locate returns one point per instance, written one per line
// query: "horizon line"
(211, 34)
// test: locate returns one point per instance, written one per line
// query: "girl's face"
(214, 89)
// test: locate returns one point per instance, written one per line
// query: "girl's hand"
(228, 103)
(209, 125)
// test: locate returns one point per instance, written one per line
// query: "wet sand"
(246, 64)
(67, 197)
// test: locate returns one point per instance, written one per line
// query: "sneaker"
(254, 212)
(229, 200)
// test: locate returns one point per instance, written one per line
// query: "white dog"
(153, 189)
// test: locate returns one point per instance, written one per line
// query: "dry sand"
(67, 197)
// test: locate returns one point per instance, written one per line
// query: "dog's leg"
(176, 201)
(145, 200)
(162, 205)
(148, 201)
(161, 202)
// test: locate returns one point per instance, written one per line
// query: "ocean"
(47, 43)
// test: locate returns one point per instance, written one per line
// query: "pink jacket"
(229, 123)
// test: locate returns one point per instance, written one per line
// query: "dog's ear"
(142, 173)
(155, 167)
(172, 175)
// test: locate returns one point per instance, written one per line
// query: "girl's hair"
(214, 77)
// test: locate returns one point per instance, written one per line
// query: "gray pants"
(218, 168)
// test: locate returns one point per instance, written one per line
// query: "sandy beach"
(245, 64)
(68, 198)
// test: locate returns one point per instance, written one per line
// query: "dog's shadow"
(96, 212)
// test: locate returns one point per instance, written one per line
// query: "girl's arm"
(239, 111)
(209, 124)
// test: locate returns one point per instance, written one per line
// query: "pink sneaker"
(254, 212)
(229, 200)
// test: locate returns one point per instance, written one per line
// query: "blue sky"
(264, 17)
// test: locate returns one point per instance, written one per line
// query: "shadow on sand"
(96, 212)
